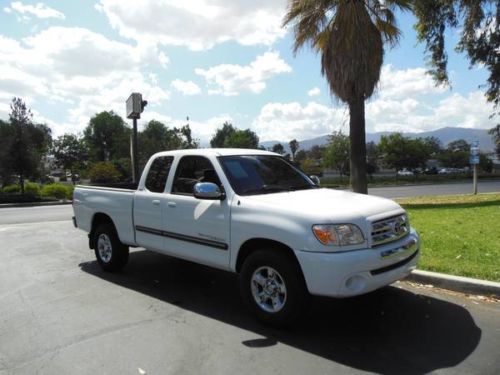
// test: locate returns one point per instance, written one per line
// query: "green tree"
(300, 155)
(107, 137)
(372, 155)
(485, 163)
(294, 146)
(477, 23)
(350, 37)
(316, 152)
(187, 140)
(336, 154)
(400, 152)
(434, 145)
(278, 148)
(495, 134)
(157, 137)
(29, 142)
(6, 139)
(220, 136)
(103, 172)
(459, 145)
(456, 154)
(242, 139)
(70, 152)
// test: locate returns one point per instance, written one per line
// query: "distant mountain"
(445, 135)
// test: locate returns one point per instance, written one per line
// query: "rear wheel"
(110, 253)
(272, 286)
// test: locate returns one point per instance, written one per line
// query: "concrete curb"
(34, 204)
(456, 283)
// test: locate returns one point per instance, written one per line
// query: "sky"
(212, 61)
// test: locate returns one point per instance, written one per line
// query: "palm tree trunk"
(358, 146)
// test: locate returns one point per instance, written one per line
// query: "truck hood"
(328, 205)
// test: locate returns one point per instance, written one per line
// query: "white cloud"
(315, 91)
(284, 121)
(79, 68)
(186, 87)
(197, 24)
(39, 10)
(396, 83)
(422, 114)
(232, 79)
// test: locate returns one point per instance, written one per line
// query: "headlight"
(338, 235)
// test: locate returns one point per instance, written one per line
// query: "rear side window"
(158, 174)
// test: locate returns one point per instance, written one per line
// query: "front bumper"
(361, 271)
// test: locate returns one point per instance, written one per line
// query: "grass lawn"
(460, 233)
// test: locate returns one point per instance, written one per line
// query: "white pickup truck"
(254, 213)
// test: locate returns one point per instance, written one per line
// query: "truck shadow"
(391, 331)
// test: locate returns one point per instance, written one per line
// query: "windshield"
(263, 174)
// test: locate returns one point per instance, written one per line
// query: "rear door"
(196, 229)
(148, 205)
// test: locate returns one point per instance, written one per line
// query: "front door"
(196, 229)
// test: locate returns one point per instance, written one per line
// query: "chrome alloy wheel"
(268, 289)
(104, 247)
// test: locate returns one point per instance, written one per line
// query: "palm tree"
(350, 36)
(495, 134)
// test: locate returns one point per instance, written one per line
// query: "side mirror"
(315, 179)
(207, 190)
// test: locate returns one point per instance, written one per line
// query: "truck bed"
(117, 203)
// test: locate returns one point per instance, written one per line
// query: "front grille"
(389, 230)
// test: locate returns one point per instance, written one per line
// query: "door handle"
(156, 202)
(171, 204)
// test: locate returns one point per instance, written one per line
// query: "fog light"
(355, 283)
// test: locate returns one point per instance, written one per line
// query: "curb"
(456, 283)
(34, 204)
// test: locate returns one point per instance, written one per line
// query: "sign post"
(135, 106)
(474, 161)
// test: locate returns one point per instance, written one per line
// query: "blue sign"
(474, 159)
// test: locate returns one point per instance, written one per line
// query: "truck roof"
(217, 152)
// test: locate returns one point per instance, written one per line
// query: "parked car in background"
(405, 172)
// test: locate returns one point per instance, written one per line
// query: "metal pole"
(135, 163)
(474, 190)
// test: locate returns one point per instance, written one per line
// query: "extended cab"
(254, 213)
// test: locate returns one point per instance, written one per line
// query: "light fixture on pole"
(135, 106)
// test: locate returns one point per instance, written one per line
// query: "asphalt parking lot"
(60, 314)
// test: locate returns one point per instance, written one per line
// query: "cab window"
(158, 174)
(190, 171)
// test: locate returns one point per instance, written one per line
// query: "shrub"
(32, 188)
(69, 191)
(103, 172)
(12, 188)
(58, 191)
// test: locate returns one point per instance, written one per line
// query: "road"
(438, 189)
(60, 314)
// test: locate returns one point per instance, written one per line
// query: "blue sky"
(211, 60)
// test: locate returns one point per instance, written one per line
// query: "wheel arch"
(98, 219)
(254, 244)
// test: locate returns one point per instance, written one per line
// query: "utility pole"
(135, 106)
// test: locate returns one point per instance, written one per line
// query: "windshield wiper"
(303, 187)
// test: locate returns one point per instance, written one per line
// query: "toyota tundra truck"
(254, 213)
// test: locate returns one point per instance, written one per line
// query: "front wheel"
(272, 285)
(110, 253)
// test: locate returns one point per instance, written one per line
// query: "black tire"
(117, 258)
(296, 299)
